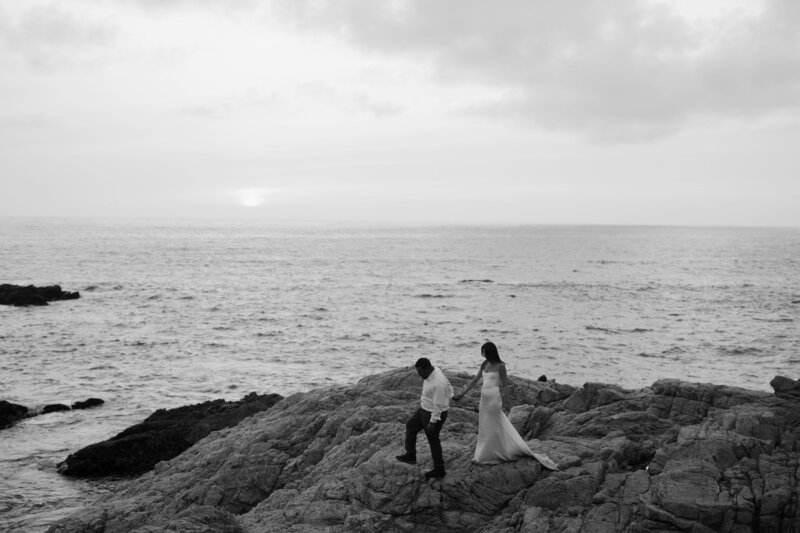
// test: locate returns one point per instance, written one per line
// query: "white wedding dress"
(498, 439)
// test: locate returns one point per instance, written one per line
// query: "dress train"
(498, 439)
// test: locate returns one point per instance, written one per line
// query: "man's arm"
(439, 401)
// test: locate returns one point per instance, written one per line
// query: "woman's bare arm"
(503, 375)
(470, 384)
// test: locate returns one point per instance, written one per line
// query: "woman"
(498, 440)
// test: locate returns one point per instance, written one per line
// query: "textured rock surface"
(676, 456)
(25, 295)
(161, 436)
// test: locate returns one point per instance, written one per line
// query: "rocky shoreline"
(676, 456)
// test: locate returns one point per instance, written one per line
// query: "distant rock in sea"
(676, 456)
(86, 404)
(161, 436)
(10, 413)
(22, 296)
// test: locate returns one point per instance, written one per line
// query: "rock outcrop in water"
(10, 413)
(675, 456)
(25, 295)
(161, 436)
(88, 403)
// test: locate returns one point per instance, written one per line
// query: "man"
(430, 417)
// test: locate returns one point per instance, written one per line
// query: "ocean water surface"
(179, 312)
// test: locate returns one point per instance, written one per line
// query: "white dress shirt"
(436, 394)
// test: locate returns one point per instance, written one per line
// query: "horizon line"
(395, 223)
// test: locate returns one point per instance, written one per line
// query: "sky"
(662, 112)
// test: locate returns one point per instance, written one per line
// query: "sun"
(251, 197)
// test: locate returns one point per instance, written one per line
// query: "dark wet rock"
(86, 404)
(22, 296)
(10, 413)
(786, 388)
(161, 436)
(675, 456)
(55, 408)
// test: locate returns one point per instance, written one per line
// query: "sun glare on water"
(251, 197)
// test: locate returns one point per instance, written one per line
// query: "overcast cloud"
(611, 69)
(648, 111)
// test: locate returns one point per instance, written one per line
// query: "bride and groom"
(498, 440)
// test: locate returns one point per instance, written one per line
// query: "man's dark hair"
(424, 363)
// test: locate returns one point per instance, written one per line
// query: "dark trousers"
(419, 422)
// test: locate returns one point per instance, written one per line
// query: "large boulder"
(25, 295)
(161, 436)
(676, 456)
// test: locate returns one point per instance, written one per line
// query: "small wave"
(604, 330)
(477, 281)
(650, 355)
(269, 334)
(738, 350)
(103, 286)
(673, 350)
(774, 320)
(617, 331)
(137, 343)
(427, 295)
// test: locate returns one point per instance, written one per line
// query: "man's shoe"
(407, 458)
(434, 474)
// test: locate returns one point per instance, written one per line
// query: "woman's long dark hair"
(489, 351)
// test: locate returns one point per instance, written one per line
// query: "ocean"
(175, 312)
